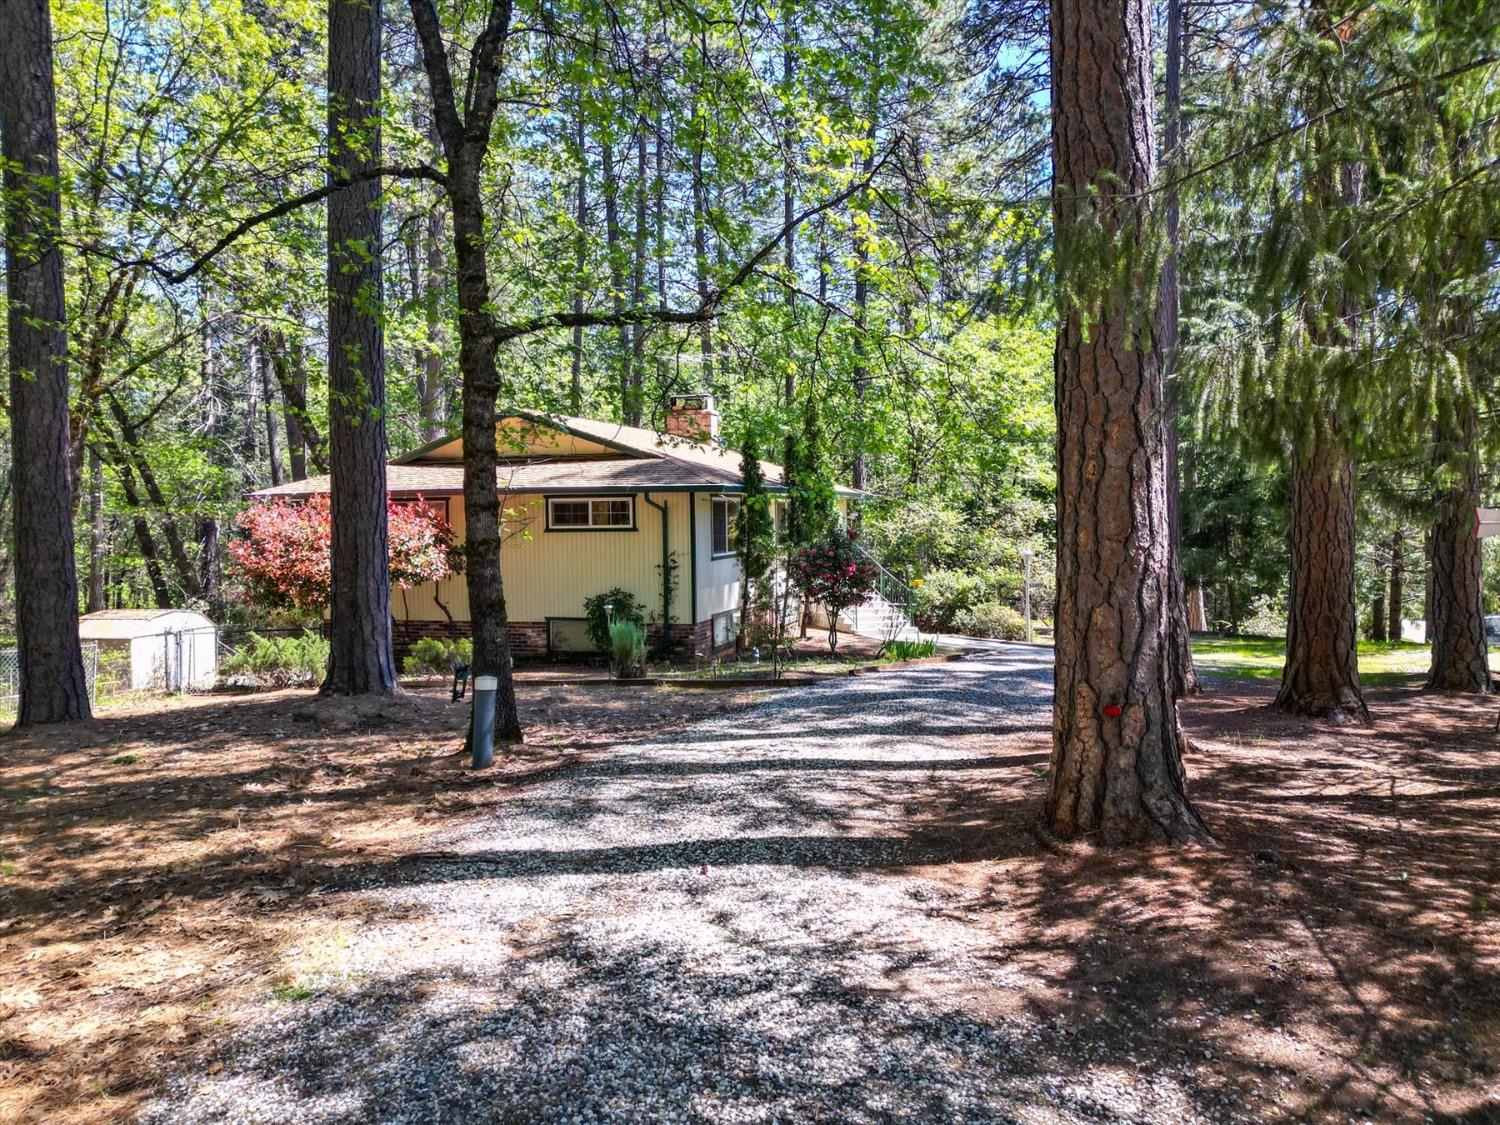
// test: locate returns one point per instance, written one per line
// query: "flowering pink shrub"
(834, 574)
(284, 555)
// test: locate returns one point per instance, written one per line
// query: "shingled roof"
(638, 460)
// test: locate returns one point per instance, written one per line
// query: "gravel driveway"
(715, 928)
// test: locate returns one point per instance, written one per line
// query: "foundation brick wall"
(528, 639)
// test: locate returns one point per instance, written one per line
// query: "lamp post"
(1026, 557)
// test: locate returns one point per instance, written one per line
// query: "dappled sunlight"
(153, 862)
(835, 897)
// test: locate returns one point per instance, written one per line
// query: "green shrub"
(911, 650)
(627, 648)
(940, 597)
(279, 661)
(626, 608)
(436, 656)
(991, 619)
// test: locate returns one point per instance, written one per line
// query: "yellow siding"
(550, 573)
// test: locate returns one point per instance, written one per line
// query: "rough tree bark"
(360, 661)
(613, 247)
(1321, 676)
(1116, 769)
(268, 402)
(1197, 611)
(1377, 608)
(1184, 676)
(130, 449)
(635, 401)
(465, 139)
(789, 187)
(861, 373)
(53, 687)
(700, 263)
(289, 363)
(1460, 661)
(293, 385)
(434, 396)
(580, 249)
(432, 381)
(97, 547)
(208, 525)
(1396, 602)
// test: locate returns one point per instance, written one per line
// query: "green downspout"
(693, 557)
(666, 574)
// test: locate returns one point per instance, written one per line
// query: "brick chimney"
(693, 417)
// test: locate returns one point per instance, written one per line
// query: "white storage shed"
(170, 649)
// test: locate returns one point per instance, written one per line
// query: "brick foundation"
(528, 639)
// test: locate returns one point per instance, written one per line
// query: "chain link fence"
(10, 678)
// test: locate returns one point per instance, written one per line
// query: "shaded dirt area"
(154, 862)
(169, 875)
(1336, 956)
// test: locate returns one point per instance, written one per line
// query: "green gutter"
(666, 574)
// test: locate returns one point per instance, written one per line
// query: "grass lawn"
(1388, 663)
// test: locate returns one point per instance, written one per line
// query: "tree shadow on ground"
(1336, 954)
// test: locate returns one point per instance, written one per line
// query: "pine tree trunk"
(635, 400)
(433, 404)
(1184, 677)
(268, 400)
(1197, 611)
(700, 265)
(481, 384)
(1460, 661)
(465, 137)
(1377, 610)
(788, 190)
(53, 687)
(207, 531)
(861, 472)
(580, 252)
(293, 392)
(613, 248)
(1116, 770)
(1395, 604)
(97, 546)
(361, 661)
(290, 366)
(131, 450)
(1321, 676)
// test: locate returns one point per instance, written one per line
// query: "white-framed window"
(437, 505)
(725, 512)
(591, 513)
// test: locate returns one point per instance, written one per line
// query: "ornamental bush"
(834, 574)
(436, 656)
(625, 607)
(991, 619)
(940, 597)
(284, 553)
(278, 661)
